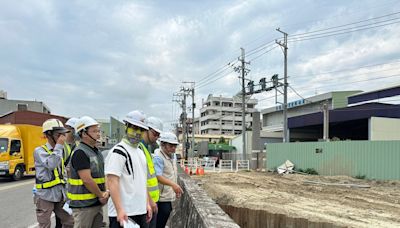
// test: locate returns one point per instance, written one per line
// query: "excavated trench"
(248, 218)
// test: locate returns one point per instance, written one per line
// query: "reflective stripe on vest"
(67, 151)
(56, 176)
(87, 196)
(80, 182)
(152, 182)
(79, 195)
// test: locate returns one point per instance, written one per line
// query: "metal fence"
(367, 159)
(257, 159)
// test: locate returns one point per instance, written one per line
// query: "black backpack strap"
(69, 156)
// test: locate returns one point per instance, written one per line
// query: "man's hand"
(178, 190)
(121, 217)
(61, 140)
(103, 200)
(149, 213)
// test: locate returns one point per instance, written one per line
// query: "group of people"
(74, 180)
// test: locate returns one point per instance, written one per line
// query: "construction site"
(266, 199)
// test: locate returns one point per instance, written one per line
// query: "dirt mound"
(306, 196)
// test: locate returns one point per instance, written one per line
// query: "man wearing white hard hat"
(50, 176)
(149, 141)
(126, 171)
(166, 171)
(86, 184)
(71, 140)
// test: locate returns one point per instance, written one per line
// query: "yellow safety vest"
(56, 176)
(152, 182)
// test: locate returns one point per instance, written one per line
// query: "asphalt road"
(17, 208)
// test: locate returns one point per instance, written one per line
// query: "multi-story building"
(223, 115)
(7, 106)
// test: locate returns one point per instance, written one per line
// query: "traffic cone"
(201, 171)
(186, 170)
(197, 171)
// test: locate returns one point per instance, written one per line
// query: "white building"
(223, 115)
(7, 106)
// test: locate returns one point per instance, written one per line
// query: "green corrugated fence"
(372, 159)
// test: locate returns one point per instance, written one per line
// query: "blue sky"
(105, 58)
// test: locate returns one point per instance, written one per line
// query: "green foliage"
(222, 140)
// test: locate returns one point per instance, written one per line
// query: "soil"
(377, 206)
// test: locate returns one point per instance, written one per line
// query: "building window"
(22, 107)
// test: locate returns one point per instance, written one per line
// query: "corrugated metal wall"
(374, 159)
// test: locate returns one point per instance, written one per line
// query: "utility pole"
(191, 90)
(184, 129)
(193, 107)
(243, 104)
(242, 69)
(285, 85)
(325, 108)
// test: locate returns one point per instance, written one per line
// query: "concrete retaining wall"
(196, 209)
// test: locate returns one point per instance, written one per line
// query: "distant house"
(28, 117)
(7, 106)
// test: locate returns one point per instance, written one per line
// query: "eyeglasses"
(94, 131)
(155, 133)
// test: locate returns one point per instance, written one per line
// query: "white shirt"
(133, 189)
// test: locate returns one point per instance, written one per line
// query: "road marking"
(17, 185)
(37, 224)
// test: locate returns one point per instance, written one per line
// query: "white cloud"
(106, 58)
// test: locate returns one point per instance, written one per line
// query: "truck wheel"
(18, 173)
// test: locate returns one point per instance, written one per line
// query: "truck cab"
(17, 144)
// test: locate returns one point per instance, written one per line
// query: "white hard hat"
(169, 137)
(155, 124)
(85, 122)
(54, 125)
(72, 122)
(136, 118)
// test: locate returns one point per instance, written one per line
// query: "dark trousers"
(153, 221)
(164, 210)
(139, 219)
(58, 222)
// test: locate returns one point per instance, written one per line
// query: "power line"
(347, 69)
(345, 76)
(269, 50)
(351, 82)
(341, 33)
(345, 25)
(218, 71)
(340, 16)
(215, 79)
(262, 47)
